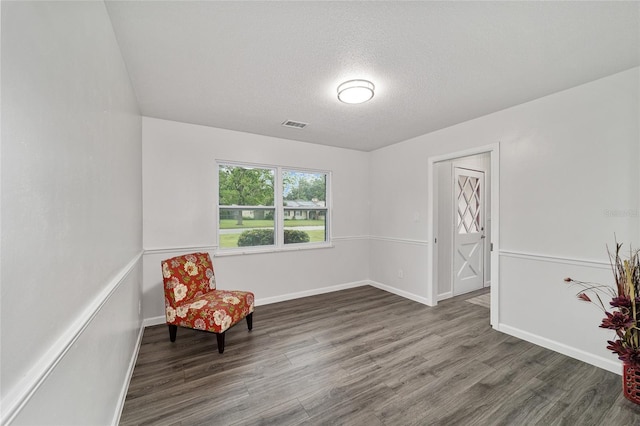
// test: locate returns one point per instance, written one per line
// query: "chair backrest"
(186, 277)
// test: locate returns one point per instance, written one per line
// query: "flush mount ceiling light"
(355, 91)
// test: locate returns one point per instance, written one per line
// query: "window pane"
(304, 226)
(242, 190)
(243, 228)
(309, 189)
(305, 201)
(245, 186)
(468, 205)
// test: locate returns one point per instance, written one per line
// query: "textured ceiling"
(249, 66)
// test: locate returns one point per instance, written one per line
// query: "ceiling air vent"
(294, 124)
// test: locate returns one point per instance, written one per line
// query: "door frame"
(432, 253)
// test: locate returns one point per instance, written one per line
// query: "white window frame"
(279, 209)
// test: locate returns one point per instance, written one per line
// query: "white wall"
(179, 175)
(568, 180)
(71, 215)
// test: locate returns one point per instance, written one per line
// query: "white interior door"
(468, 247)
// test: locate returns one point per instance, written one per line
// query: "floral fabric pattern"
(191, 298)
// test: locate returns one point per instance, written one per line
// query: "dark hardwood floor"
(367, 357)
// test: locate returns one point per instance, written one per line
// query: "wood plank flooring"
(366, 357)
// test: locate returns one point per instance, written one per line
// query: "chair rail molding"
(19, 396)
(556, 259)
(400, 240)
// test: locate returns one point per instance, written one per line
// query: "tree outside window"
(305, 203)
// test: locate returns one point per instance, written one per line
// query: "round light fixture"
(355, 91)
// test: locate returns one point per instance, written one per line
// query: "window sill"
(270, 249)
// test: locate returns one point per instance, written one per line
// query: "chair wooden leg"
(250, 321)
(220, 337)
(172, 332)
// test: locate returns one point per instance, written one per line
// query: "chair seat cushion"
(214, 311)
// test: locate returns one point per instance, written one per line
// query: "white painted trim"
(292, 296)
(212, 248)
(125, 385)
(351, 238)
(401, 293)
(432, 288)
(432, 223)
(179, 249)
(494, 313)
(556, 259)
(307, 293)
(604, 363)
(18, 397)
(281, 298)
(443, 296)
(400, 240)
(464, 153)
(148, 322)
(272, 249)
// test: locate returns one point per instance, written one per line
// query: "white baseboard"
(402, 293)
(446, 295)
(314, 292)
(125, 386)
(604, 363)
(297, 295)
(148, 322)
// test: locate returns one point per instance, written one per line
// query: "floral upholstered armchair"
(192, 300)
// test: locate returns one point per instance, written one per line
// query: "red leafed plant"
(623, 314)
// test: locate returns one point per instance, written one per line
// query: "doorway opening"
(464, 225)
